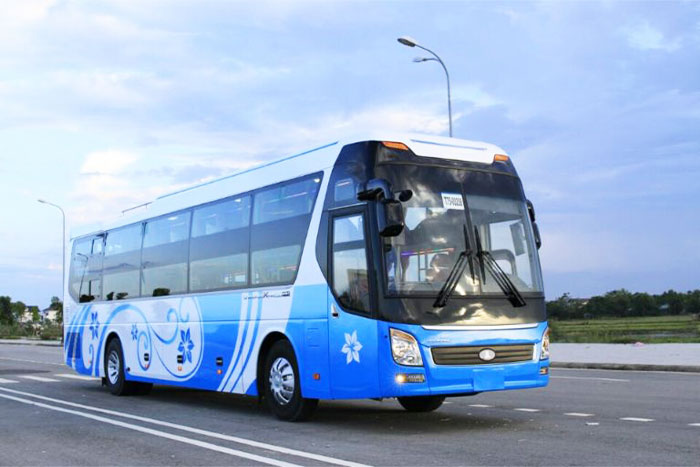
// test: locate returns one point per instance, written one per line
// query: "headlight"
(404, 348)
(544, 353)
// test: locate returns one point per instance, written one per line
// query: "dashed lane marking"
(32, 361)
(593, 378)
(578, 414)
(211, 434)
(693, 424)
(162, 434)
(7, 381)
(635, 419)
(41, 379)
(483, 406)
(82, 378)
(526, 410)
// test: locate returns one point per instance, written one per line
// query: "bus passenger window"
(120, 276)
(350, 277)
(164, 258)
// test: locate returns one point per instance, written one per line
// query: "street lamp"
(409, 42)
(63, 250)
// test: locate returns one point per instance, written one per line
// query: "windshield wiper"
(465, 258)
(502, 279)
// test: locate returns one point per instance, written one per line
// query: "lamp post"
(63, 250)
(409, 42)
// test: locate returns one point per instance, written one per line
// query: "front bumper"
(462, 379)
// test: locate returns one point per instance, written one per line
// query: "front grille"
(470, 355)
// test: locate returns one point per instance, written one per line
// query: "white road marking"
(527, 410)
(693, 424)
(592, 423)
(485, 406)
(5, 381)
(162, 434)
(41, 379)
(578, 414)
(635, 419)
(686, 373)
(234, 439)
(616, 380)
(32, 361)
(80, 377)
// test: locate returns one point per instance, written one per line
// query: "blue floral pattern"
(94, 325)
(186, 345)
(134, 332)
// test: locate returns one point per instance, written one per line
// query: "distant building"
(49, 314)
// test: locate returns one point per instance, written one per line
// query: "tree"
(57, 304)
(18, 309)
(6, 316)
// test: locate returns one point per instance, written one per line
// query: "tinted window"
(86, 269)
(350, 276)
(164, 258)
(286, 200)
(121, 263)
(281, 216)
(219, 245)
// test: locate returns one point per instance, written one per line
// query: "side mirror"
(530, 210)
(375, 189)
(536, 231)
(390, 218)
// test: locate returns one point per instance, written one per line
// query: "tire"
(114, 372)
(282, 388)
(421, 403)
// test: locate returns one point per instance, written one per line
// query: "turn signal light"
(394, 145)
(500, 158)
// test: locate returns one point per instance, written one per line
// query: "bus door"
(353, 331)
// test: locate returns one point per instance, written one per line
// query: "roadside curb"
(626, 366)
(31, 342)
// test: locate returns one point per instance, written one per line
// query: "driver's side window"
(350, 275)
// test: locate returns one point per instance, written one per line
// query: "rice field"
(648, 329)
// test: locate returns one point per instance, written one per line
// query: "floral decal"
(186, 345)
(351, 348)
(94, 325)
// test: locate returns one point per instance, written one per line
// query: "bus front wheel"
(421, 403)
(283, 385)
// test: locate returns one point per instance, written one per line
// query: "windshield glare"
(420, 259)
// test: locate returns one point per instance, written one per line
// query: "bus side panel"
(308, 330)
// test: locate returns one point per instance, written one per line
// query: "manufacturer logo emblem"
(487, 354)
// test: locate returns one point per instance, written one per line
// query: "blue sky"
(104, 105)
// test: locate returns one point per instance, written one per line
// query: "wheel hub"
(282, 380)
(113, 367)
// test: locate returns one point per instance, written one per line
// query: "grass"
(647, 329)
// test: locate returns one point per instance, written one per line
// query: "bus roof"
(317, 159)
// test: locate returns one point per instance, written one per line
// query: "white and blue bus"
(382, 266)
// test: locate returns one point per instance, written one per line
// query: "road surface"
(51, 416)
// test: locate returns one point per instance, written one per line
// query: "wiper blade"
(465, 258)
(501, 278)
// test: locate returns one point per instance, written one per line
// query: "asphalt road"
(585, 417)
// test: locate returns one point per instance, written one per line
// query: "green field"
(650, 330)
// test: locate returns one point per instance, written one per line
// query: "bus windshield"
(439, 224)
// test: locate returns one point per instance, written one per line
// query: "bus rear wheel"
(282, 385)
(421, 403)
(114, 372)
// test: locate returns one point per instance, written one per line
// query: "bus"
(380, 266)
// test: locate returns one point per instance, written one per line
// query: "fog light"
(410, 378)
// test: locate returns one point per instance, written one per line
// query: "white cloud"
(110, 162)
(644, 36)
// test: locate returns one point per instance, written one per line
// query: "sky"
(105, 105)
